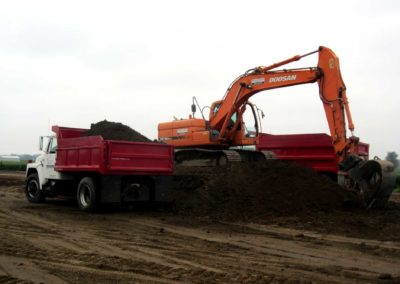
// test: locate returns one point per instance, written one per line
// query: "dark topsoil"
(115, 131)
(272, 192)
(285, 194)
(255, 190)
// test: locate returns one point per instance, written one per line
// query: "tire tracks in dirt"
(70, 246)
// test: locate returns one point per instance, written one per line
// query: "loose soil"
(115, 131)
(55, 242)
(254, 191)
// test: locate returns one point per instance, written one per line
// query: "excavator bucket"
(373, 181)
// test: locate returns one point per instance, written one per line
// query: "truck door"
(50, 159)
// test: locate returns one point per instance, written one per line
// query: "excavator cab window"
(216, 108)
(233, 121)
(233, 117)
(250, 122)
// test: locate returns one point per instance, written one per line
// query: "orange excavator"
(218, 140)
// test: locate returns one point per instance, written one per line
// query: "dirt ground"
(54, 242)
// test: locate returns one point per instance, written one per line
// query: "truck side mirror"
(41, 143)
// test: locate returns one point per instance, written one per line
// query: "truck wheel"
(87, 194)
(32, 189)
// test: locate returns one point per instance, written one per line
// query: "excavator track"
(229, 157)
(269, 155)
(211, 158)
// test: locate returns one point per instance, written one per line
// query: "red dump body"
(77, 153)
(312, 150)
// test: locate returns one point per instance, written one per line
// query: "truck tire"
(32, 189)
(87, 194)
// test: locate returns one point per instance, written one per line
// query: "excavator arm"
(332, 92)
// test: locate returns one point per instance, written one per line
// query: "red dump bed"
(77, 153)
(312, 150)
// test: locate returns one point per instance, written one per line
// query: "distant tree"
(392, 157)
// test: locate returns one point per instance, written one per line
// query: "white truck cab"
(42, 173)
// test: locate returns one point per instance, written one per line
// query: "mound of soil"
(115, 131)
(252, 191)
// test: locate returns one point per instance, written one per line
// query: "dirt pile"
(254, 191)
(115, 131)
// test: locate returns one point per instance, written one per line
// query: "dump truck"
(313, 150)
(97, 171)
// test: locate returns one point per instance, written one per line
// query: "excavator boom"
(332, 92)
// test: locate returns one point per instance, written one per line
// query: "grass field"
(13, 166)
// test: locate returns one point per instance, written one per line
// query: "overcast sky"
(72, 63)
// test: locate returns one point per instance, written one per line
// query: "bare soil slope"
(254, 191)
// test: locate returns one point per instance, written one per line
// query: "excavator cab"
(244, 125)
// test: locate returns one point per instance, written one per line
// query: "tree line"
(393, 157)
